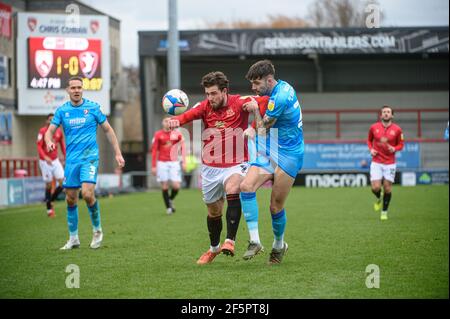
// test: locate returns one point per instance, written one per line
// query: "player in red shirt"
(50, 164)
(166, 146)
(384, 140)
(224, 158)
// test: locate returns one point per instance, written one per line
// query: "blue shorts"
(77, 173)
(291, 164)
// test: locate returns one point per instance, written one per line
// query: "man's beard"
(386, 121)
(217, 106)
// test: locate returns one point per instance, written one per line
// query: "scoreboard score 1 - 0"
(53, 60)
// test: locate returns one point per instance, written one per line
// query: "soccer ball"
(175, 102)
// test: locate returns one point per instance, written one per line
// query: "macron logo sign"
(336, 180)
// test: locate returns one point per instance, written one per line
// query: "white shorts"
(214, 178)
(55, 170)
(378, 171)
(166, 171)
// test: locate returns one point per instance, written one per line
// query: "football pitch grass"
(333, 235)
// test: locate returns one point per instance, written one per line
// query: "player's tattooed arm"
(263, 123)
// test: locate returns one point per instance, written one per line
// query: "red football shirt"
(42, 146)
(223, 141)
(380, 137)
(162, 146)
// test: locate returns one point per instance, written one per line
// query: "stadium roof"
(237, 42)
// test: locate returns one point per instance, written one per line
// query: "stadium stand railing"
(352, 125)
(19, 167)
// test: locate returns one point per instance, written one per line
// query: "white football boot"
(73, 242)
(97, 239)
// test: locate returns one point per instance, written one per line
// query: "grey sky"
(142, 15)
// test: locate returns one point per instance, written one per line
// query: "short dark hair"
(215, 78)
(49, 115)
(387, 107)
(73, 78)
(260, 69)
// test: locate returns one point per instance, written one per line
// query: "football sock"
(94, 212)
(386, 200)
(377, 194)
(166, 198)
(214, 229)
(250, 209)
(55, 195)
(173, 193)
(48, 195)
(72, 220)
(233, 215)
(278, 227)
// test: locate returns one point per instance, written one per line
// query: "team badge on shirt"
(271, 105)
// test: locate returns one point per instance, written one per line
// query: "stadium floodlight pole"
(173, 51)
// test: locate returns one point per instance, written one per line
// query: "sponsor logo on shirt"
(78, 122)
(220, 124)
(230, 112)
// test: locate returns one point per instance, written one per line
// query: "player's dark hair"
(215, 78)
(387, 107)
(49, 115)
(260, 69)
(74, 78)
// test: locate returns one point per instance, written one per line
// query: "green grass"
(333, 234)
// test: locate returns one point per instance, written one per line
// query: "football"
(175, 102)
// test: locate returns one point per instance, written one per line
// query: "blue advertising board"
(353, 156)
(15, 192)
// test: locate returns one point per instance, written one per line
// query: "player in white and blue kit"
(79, 119)
(280, 149)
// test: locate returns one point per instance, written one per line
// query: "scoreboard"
(52, 48)
(53, 60)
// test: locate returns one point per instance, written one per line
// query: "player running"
(79, 118)
(384, 140)
(165, 163)
(224, 158)
(50, 164)
(280, 156)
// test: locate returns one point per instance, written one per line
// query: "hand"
(250, 132)
(183, 167)
(174, 123)
(391, 148)
(48, 160)
(51, 146)
(120, 161)
(251, 106)
(373, 152)
(154, 171)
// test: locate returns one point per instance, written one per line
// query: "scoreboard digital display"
(53, 60)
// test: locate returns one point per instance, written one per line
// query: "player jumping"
(384, 140)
